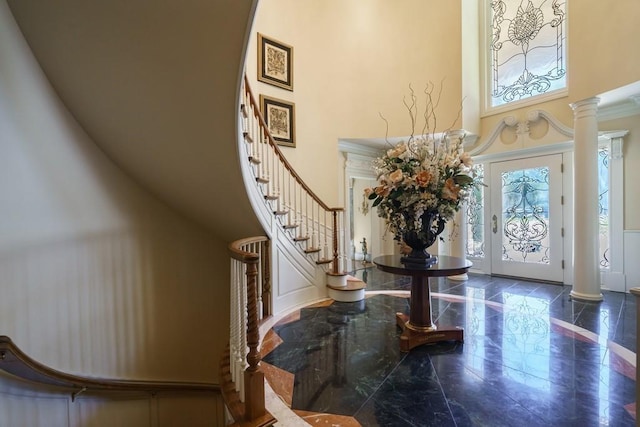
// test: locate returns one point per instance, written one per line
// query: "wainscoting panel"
(192, 411)
(125, 413)
(33, 411)
(294, 283)
(631, 251)
(33, 405)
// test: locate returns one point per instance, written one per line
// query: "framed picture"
(275, 62)
(280, 118)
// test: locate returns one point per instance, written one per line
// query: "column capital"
(585, 107)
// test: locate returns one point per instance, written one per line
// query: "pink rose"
(397, 150)
(450, 191)
(382, 190)
(423, 178)
(396, 176)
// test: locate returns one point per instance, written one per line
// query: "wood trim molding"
(15, 362)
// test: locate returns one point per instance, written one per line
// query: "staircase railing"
(241, 377)
(308, 221)
(312, 226)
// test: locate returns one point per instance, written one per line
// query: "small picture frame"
(275, 62)
(280, 117)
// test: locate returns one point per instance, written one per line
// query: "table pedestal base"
(412, 337)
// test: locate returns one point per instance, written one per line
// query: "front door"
(526, 218)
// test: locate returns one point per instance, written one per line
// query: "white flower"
(466, 159)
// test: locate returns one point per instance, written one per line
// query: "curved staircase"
(291, 212)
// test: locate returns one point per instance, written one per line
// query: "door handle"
(494, 222)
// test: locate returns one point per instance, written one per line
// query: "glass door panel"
(525, 215)
(526, 218)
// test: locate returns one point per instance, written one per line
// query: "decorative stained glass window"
(603, 204)
(475, 217)
(527, 49)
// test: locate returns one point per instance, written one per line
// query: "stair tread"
(352, 285)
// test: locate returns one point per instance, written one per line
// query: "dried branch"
(413, 111)
(386, 132)
(432, 101)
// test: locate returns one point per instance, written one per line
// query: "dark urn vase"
(420, 240)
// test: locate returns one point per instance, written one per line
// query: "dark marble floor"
(531, 356)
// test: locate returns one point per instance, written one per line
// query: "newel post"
(253, 377)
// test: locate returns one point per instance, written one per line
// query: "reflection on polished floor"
(531, 356)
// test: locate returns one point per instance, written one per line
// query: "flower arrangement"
(422, 182)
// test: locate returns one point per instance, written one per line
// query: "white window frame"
(485, 70)
(613, 277)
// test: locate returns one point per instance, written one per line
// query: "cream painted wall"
(354, 60)
(603, 46)
(96, 276)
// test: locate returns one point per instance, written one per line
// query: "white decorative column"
(586, 271)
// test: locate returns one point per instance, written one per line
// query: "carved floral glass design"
(525, 215)
(527, 48)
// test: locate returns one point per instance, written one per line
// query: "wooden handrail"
(236, 252)
(16, 362)
(274, 146)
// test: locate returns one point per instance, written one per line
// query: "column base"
(586, 297)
